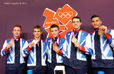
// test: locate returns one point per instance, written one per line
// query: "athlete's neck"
(76, 29)
(37, 38)
(16, 38)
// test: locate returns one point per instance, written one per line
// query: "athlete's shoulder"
(23, 39)
(84, 31)
(29, 39)
(48, 39)
(68, 33)
(62, 37)
(9, 38)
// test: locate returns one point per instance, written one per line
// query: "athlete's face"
(96, 22)
(16, 31)
(54, 31)
(37, 33)
(76, 23)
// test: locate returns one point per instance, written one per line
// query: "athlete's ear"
(80, 23)
(101, 22)
(21, 32)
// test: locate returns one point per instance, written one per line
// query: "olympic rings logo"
(64, 15)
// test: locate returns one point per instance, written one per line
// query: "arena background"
(30, 12)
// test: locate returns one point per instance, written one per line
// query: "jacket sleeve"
(110, 38)
(26, 49)
(4, 50)
(86, 48)
(62, 50)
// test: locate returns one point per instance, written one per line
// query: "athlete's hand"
(10, 44)
(55, 48)
(74, 40)
(103, 29)
(31, 44)
(77, 44)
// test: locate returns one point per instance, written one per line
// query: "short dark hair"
(53, 26)
(76, 17)
(37, 27)
(95, 16)
(17, 25)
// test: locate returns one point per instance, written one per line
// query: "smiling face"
(37, 33)
(16, 32)
(54, 31)
(96, 22)
(76, 23)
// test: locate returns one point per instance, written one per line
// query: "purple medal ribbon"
(74, 35)
(15, 38)
(38, 41)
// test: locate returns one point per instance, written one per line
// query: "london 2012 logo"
(62, 17)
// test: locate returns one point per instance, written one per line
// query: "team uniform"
(75, 59)
(36, 56)
(16, 63)
(103, 54)
(54, 59)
